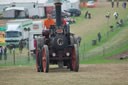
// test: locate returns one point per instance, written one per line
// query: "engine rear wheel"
(38, 58)
(75, 58)
(45, 58)
(39, 44)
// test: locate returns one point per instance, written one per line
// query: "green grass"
(87, 40)
(103, 59)
(110, 51)
(32, 62)
(87, 37)
(3, 44)
(20, 58)
(99, 58)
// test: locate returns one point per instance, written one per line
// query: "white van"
(18, 30)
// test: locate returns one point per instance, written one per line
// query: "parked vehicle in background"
(17, 30)
(65, 14)
(36, 13)
(35, 17)
(74, 12)
(90, 4)
(15, 12)
(70, 20)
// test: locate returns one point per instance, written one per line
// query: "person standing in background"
(20, 46)
(117, 3)
(10, 48)
(89, 16)
(5, 53)
(121, 22)
(108, 15)
(1, 52)
(112, 3)
(124, 4)
(99, 36)
(116, 15)
(86, 14)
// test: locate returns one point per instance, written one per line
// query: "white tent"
(75, 3)
(70, 4)
(15, 8)
(29, 3)
(4, 2)
(19, 3)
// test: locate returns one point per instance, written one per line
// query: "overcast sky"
(40, 1)
(10, 1)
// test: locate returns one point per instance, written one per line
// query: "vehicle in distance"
(90, 4)
(74, 12)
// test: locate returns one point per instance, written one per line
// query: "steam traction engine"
(57, 46)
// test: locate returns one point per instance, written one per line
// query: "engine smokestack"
(58, 13)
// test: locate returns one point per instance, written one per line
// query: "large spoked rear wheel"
(45, 58)
(39, 44)
(75, 58)
(38, 58)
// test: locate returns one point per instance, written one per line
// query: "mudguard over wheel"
(75, 40)
(45, 58)
(72, 40)
(75, 59)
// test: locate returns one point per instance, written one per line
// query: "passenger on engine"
(65, 24)
(63, 21)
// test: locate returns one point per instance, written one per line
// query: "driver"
(48, 22)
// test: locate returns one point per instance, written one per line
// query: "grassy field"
(88, 29)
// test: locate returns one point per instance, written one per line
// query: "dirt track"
(95, 74)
